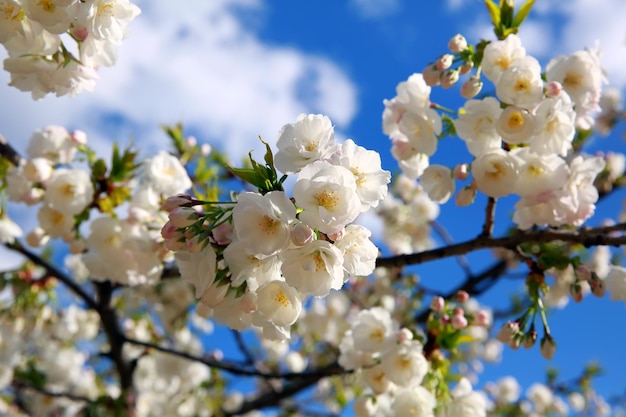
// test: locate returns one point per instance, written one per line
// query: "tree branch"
(586, 236)
(490, 213)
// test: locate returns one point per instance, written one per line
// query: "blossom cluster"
(121, 249)
(33, 33)
(253, 264)
(521, 139)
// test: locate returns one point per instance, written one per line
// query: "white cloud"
(199, 64)
(375, 9)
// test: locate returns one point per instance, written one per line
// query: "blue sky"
(232, 70)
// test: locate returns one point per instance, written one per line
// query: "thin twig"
(53, 271)
(447, 239)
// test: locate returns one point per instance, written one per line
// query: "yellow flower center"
(516, 120)
(47, 5)
(268, 225)
(281, 298)
(326, 199)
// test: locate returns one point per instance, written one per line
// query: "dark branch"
(586, 236)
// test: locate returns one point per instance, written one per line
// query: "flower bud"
(459, 321)
(576, 291)
(465, 196)
(553, 89)
(471, 87)
(205, 149)
(583, 273)
(461, 172)
(431, 75)
(466, 67)
(530, 338)
(78, 137)
(461, 296)
(437, 303)
(449, 78)
(482, 319)
(458, 43)
(337, 236)
(301, 234)
(508, 331)
(195, 244)
(444, 62)
(178, 200)
(548, 347)
(191, 141)
(183, 217)
(223, 234)
(404, 335)
(37, 237)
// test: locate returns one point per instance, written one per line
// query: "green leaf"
(122, 165)
(178, 138)
(506, 14)
(522, 13)
(494, 12)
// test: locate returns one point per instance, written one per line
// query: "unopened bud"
(183, 217)
(465, 196)
(462, 296)
(431, 75)
(548, 347)
(175, 201)
(337, 236)
(553, 89)
(449, 78)
(461, 172)
(530, 338)
(205, 149)
(576, 291)
(437, 303)
(191, 141)
(79, 32)
(404, 335)
(444, 62)
(196, 243)
(482, 319)
(508, 331)
(223, 234)
(459, 321)
(471, 87)
(583, 273)
(301, 234)
(37, 237)
(458, 43)
(466, 67)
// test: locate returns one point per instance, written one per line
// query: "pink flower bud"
(548, 347)
(223, 234)
(466, 67)
(508, 331)
(170, 231)
(191, 141)
(583, 273)
(78, 137)
(465, 196)
(459, 322)
(79, 32)
(444, 62)
(431, 75)
(530, 338)
(195, 244)
(183, 217)
(462, 296)
(449, 78)
(471, 87)
(404, 335)
(458, 43)
(178, 200)
(553, 89)
(205, 149)
(445, 319)
(337, 236)
(598, 288)
(437, 303)
(482, 319)
(458, 311)
(301, 234)
(461, 171)
(576, 291)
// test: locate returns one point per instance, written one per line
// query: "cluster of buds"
(452, 312)
(444, 72)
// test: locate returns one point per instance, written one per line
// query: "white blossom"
(261, 222)
(616, 283)
(438, 182)
(496, 173)
(416, 401)
(520, 84)
(165, 174)
(314, 268)
(69, 190)
(310, 138)
(476, 125)
(359, 253)
(499, 55)
(405, 364)
(327, 194)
